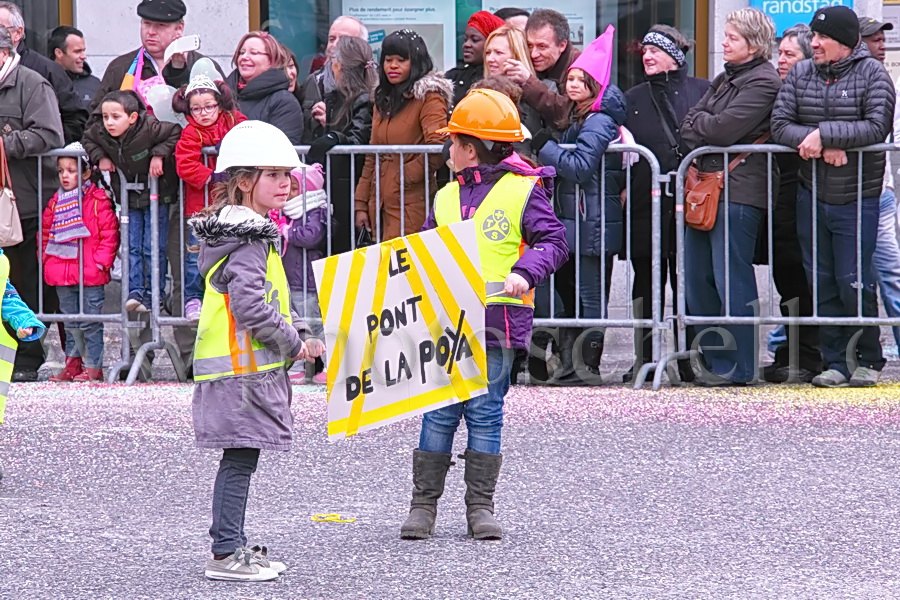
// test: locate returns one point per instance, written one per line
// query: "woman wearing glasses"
(261, 85)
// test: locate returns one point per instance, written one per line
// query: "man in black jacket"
(841, 99)
(74, 117)
(66, 48)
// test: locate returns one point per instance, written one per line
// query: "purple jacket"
(542, 231)
(309, 236)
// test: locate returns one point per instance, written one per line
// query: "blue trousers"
(837, 278)
(83, 339)
(484, 414)
(886, 259)
(230, 494)
(730, 350)
(139, 251)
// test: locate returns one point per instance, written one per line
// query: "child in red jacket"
(211, 112)
(80, 237)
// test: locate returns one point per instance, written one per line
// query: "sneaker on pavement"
(832, 378)
(298, 378)
(192, 309)
(321, 378)
(261, 553)
(864, 377)
(243, 565)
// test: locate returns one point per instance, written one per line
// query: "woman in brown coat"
(411, 104)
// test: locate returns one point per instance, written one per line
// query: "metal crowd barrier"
(179, 353)
(683, 320)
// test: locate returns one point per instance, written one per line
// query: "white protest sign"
(404, 325)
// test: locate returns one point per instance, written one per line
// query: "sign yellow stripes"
(445, 294)
(462, 260)
(340, 344)
(329, 275)
(369, 353)
(434, 325)
(401, 407)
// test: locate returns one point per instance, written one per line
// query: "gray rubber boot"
(567, 337)
(481, 475)
(429, 473)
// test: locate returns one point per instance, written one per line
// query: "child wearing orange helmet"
(520, 243)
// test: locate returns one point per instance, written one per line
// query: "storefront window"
(303, 25)
(41, 16)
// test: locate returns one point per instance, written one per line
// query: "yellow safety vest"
(498, 222)
(223, 350)
(8, 345)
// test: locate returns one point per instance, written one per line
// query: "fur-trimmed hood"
(233, 226)
(433, 82)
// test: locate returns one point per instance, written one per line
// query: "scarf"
(11, 63)
(68, 225)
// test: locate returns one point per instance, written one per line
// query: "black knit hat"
(162, 11)
(839, 23)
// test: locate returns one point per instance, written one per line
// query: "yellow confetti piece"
(331, 518)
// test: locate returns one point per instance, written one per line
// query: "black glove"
(320, 147)
(540, 139)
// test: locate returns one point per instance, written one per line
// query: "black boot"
(537, 358)
(481, 475)
(567, 366)
(429, 473)
(587, 362)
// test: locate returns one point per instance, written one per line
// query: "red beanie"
(485, 22)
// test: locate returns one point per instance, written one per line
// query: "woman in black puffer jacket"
(261, 85)
(735, 110)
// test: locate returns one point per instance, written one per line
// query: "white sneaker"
(243, 565)
(261, 553)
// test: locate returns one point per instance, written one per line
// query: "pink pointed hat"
(596, 61)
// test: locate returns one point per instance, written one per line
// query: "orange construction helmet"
(487, 115)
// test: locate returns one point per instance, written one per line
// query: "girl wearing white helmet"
(246, 337)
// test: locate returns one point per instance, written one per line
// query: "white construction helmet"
(256, 144)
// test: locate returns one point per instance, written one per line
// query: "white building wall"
(112, 28)
(719, 10)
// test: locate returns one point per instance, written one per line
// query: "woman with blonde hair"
(735, 110)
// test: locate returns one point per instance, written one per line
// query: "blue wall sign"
(787, 13)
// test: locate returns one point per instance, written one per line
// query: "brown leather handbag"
(702, 191)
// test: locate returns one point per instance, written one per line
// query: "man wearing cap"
(162, 22)
(842, 99)
(887, 250)
(471, 69)
(73, 116)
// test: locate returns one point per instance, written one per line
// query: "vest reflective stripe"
(8, 345)
(217, 331)
(498, 222)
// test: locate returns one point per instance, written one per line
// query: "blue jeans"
(838, 280)
(230, 493)
(139, 251)
(729, 351)
(193, 281)
(886, 259)
(83, 339)
(484, 414)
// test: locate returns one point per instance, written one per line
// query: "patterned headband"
(666, 44)
(201, 82)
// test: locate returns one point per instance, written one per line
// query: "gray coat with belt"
(851, 102)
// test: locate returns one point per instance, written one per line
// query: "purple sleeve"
(309, 234)
(546, 238)
(431, 221)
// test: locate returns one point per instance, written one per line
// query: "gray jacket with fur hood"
(417, 123)
(245, 411)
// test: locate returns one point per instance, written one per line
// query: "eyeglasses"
(252, 53)
(200, 110)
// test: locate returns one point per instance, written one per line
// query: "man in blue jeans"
(842, 99)
(887, 250)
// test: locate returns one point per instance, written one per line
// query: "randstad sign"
(787, 13)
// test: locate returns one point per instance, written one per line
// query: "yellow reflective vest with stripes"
(498, 223)
(222, 348)
(8, 344)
